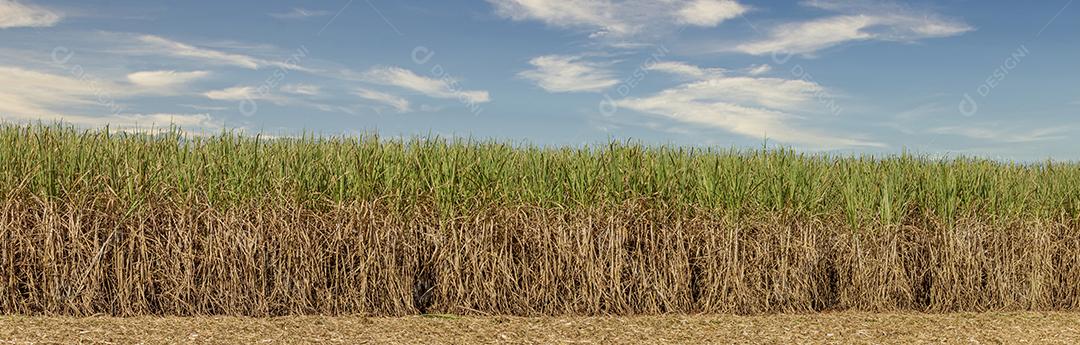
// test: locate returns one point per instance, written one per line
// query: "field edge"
(830, 327)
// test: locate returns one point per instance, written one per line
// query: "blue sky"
(987, 78)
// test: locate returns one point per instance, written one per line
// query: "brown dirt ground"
(844, 327)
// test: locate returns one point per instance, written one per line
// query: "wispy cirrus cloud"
(446, 88)
(14, 14)
(294, 95)
(686, 70)
(204, 107)
(749, 106)
(28, 95)
(330, 88)
(193, 123)
(620, 18)
(301, 89)
(161, 45)
(235, 93)
(857, 21)
(398, 103)
(1009, 135)
(301, 13)
(157, 45)
(167, 80)
(247, 93)
(759, 69)
(561, 73)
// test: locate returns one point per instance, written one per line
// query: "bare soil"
(823, 328)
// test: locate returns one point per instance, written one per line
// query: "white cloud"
(133, 122)
(811, 36)
(438, 88)
(399, 104)
(27, 93)
(236, 93)
(599, 15)
(754, 107)
(194, 124)
(165, 80)
(686, 70)
(301, 89)
(1010, 136)
(860, 21)
(301, 13)
(710, 13)
(558, 73)
(759, 69)
(246, 93)
(189, 121)
(775, 93)
(157, 45)
(204, 107)
(171, 47)
(14, 15)
(620, 18)
(250, 98)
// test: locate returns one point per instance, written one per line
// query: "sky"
(994, 79)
